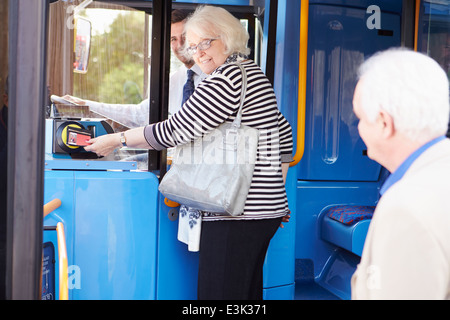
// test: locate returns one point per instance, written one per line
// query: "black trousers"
(231, 260)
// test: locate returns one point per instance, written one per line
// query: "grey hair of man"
(411, 87)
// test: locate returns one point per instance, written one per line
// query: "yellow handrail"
(302, 67)
(62, 251)
(50, 206)
(63, 264)
(416, 25)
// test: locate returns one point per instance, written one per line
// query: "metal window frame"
(27, 98)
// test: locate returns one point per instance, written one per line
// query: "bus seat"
(346, 226)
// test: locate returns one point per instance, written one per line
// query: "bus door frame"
(27, 98)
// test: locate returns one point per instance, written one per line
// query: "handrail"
(63, 264)
(62, 251)
(416, 24)
(170, 203)
(302, 68)
(51, 206)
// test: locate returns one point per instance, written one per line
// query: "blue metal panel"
(279, 293)
(110, 222)
(286, 59)
(279, 262)
(386, 5)
(337, 273)
(279, 266)
(339, 41)
(115, 234)
(177, 267)
(59, 185)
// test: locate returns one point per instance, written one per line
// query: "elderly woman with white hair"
(232, 249)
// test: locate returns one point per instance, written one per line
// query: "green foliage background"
(116, 64)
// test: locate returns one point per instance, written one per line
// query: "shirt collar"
(401, 170)
(199, 73)
(196, 69)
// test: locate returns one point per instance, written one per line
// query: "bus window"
(118, 58)
(110, 79)
(435, 32)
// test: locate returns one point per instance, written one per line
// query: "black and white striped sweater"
(215, 101)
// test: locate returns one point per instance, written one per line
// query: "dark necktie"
(189, 87)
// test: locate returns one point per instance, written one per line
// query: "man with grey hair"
(402, 102)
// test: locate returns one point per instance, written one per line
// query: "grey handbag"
(214, 173)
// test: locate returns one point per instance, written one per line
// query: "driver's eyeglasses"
(204, 45)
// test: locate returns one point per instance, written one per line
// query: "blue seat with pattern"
(346, 226)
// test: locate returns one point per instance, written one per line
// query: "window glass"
(99, 62)
(436, 32)
(118, 56)
(99, 66)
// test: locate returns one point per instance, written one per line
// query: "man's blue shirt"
(401, 170)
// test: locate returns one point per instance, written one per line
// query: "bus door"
(335, 170)
(99, 62)
(108, 70)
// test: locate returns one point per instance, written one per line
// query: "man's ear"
(387, 122)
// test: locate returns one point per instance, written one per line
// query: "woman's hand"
(104, 145)
(285, 219)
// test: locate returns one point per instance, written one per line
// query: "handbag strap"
(237, 120)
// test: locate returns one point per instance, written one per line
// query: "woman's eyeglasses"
(204, 45)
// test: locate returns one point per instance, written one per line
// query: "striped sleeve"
(286, 144)
(212, 103)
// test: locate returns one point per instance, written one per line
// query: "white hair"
(409, 86)
(211, 22)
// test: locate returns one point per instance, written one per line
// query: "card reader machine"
(70, 136)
